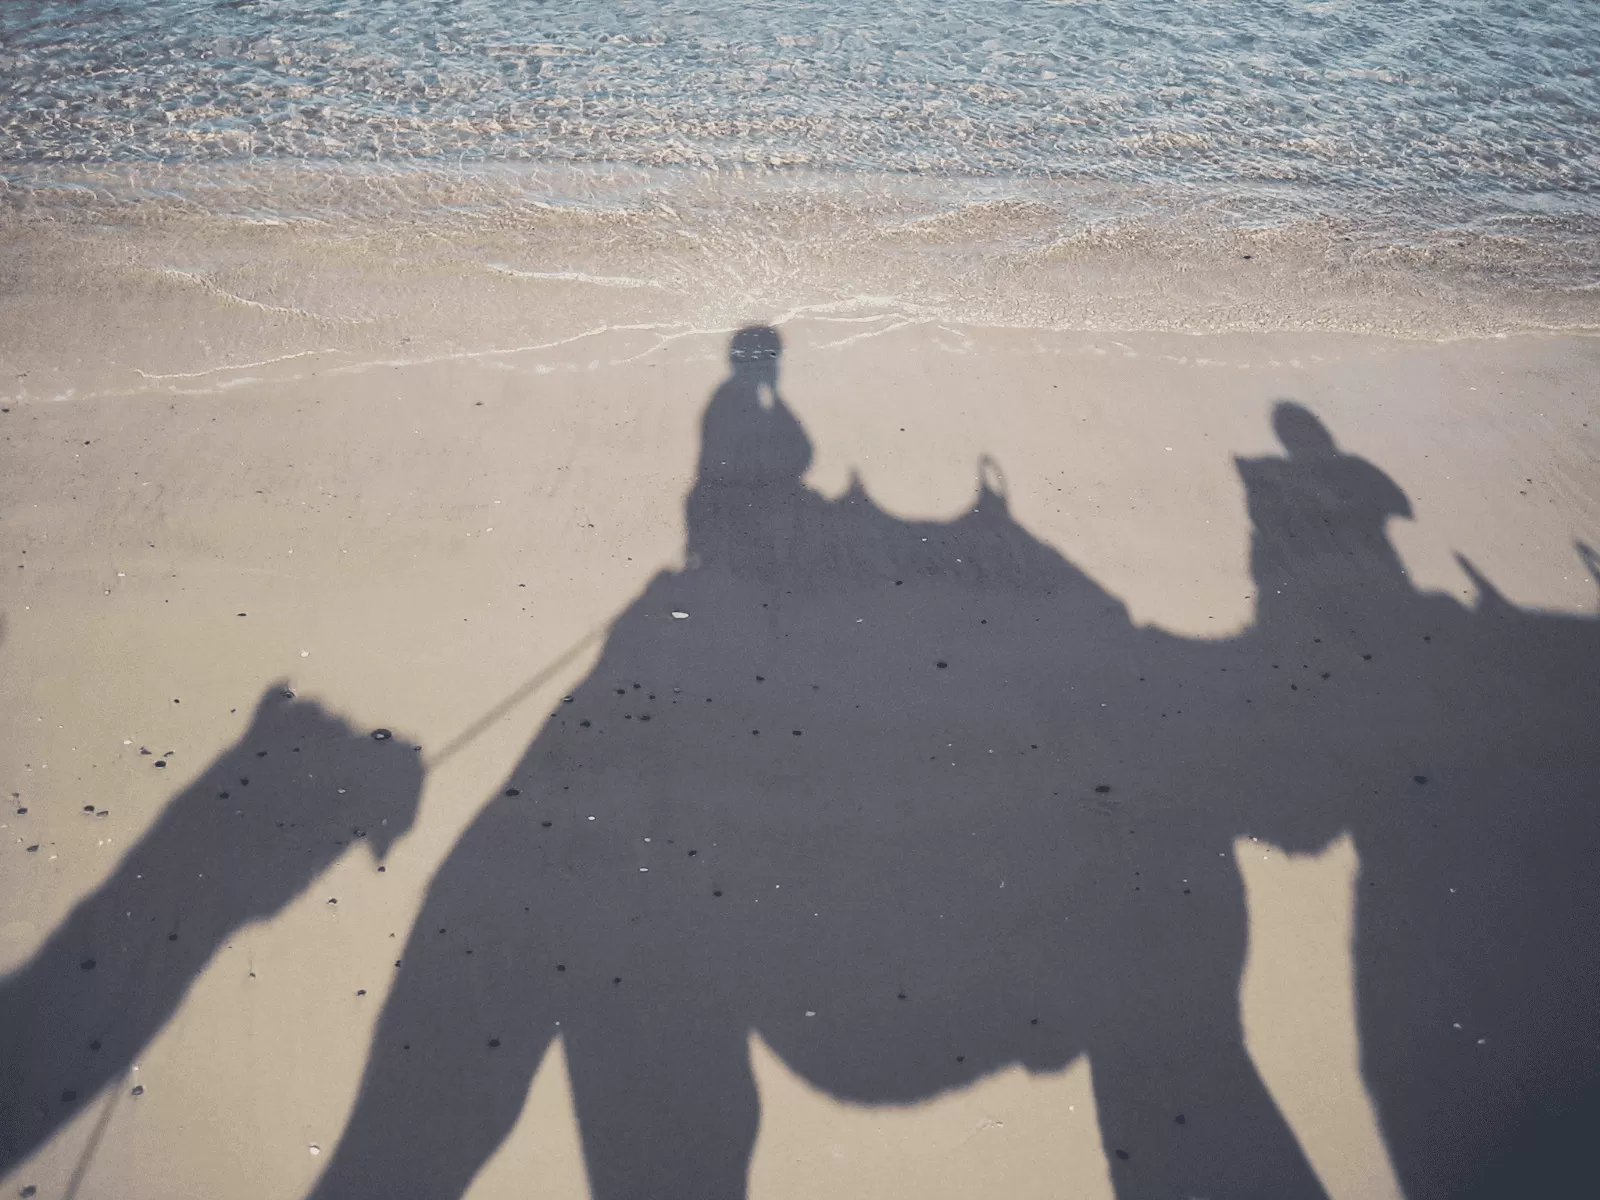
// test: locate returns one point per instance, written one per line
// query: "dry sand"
(411, 543)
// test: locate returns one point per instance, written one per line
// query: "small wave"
(616, 281)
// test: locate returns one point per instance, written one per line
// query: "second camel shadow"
(917, 801)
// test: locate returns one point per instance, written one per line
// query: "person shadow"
(912, 801)
(292, 796)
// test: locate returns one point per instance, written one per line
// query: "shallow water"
(1463, 97)
(1459, 138)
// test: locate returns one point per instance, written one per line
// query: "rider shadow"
(905, 798)
(914, 802)
(271, 814)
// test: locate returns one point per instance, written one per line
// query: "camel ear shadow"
(1586, 552)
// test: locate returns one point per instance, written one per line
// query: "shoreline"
(434, 265)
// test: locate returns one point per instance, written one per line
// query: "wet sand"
(438, 549)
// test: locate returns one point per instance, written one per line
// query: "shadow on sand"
(917, 801)
(269, 816)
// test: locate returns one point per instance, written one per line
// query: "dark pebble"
(333, 899)
(902, 995)
(68, 1097)
(796, 732)
(1035, 1021)
(381, 735)
(941, 665)
(1102, 788)
(716, 893)
(1123, 1155)
(160, 762)
(22, 812)
(172, 937)
(95, 1045)
(961, 1058)
(756, 732)
(138, 1089)
(30, 1190)
(692, 853)
(545, 824)
(513, 792)
(585, 724)
(494, 1043)
(87, 964)
(616, 981)
(561, 966)
(1180, 1119)
(222, 795)
(88, 808)
(1420, 778)
(566, 699)
(33, 849)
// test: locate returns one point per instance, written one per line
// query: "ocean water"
(1016, 160)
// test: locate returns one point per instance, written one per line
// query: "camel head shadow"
(297, 790)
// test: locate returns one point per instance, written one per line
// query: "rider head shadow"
(273, 812)
(910, 801)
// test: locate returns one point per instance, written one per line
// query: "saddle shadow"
(273, 812)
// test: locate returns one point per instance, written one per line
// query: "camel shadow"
(265, 819)
(917, 801)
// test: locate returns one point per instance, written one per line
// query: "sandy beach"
(444, 546)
